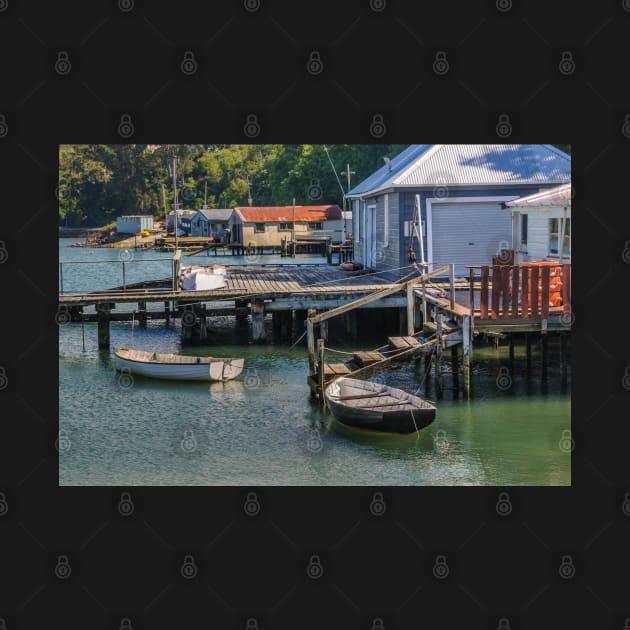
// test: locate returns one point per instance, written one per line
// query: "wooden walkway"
(245, 282)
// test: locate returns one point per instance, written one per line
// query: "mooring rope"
(339, 351)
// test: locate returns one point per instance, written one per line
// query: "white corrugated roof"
(472, 164)
(559, 196)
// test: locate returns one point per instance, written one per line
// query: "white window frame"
(386, 220)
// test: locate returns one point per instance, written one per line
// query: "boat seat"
(154, 357)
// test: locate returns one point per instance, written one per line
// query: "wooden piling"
(321, 371)
(323, 330)
(410, 310)
(310, 344)
(563, 358)
(544, 340)
(496, 290)
(167, 311)
(528, 350)
(203, 324)
(241, 309)
(142, 314)
(438, 356)
(258, 320)
(511, 348)
(103, 319)
(467, 354)
(455, 367)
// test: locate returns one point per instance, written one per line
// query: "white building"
(134, 223)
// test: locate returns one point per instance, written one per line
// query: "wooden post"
(483, 306)
(410, 310)
(534, 292)
(310, 344)
(467, 352)
(511, 347)
(103, 318)
(545, 355)
(142, 314)
(323, 330)
(505, 287)
(258, 320)
(167, 310)
(321, 371)
(438, 358)
(177, 267)
(241, 309)
(566, 291)
(525, 292)
(451, 279)
(203, 324)
(471, 289)
(496, 290)
(515, 291)
(528, 350)
(544, 309)
(455, 367)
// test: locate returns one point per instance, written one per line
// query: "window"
(287, 225)
(555, 225)
(315, 225)
(524, 231)
(385, 220)
(259, 227)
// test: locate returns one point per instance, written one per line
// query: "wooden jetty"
(434, 314)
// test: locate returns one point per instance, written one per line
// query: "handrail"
(377, 295)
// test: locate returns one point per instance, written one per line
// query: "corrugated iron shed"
(469, 164)
(558, 196)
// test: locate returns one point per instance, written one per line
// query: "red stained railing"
(525, 291)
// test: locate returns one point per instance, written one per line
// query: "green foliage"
(97, 183)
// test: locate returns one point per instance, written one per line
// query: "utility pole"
(293, 248)
(347, 173)
(176, 227)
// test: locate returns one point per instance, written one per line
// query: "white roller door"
(468, 233)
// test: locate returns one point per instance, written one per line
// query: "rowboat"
(176, 366)
(200, 278)
(376, 407)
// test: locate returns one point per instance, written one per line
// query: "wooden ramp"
(397, 350)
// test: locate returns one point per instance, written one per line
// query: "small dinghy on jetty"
(200, 278)
(376, 407)
(177, 367)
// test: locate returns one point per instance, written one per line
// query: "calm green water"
(263, 429)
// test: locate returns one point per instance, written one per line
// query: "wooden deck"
(246, 282)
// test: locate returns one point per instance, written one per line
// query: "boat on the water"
(201, 278)
(377, 407)
(176, 366)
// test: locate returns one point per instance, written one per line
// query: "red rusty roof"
(267, 214)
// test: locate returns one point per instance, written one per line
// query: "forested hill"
(99, 182)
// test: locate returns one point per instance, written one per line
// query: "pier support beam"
(511, 348)
(438, 356)
(142, 314)
(258, 321)
(203, 324)
(320, 372)
(544, 341)
(241, 309)
(410, 310)
(167, 311)
(103, 319)
(467, 341)
(310, 344)
(528, 351)
(455, 368)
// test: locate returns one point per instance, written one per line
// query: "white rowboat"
(176, 366)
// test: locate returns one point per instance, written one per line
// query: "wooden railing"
(525, 291)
